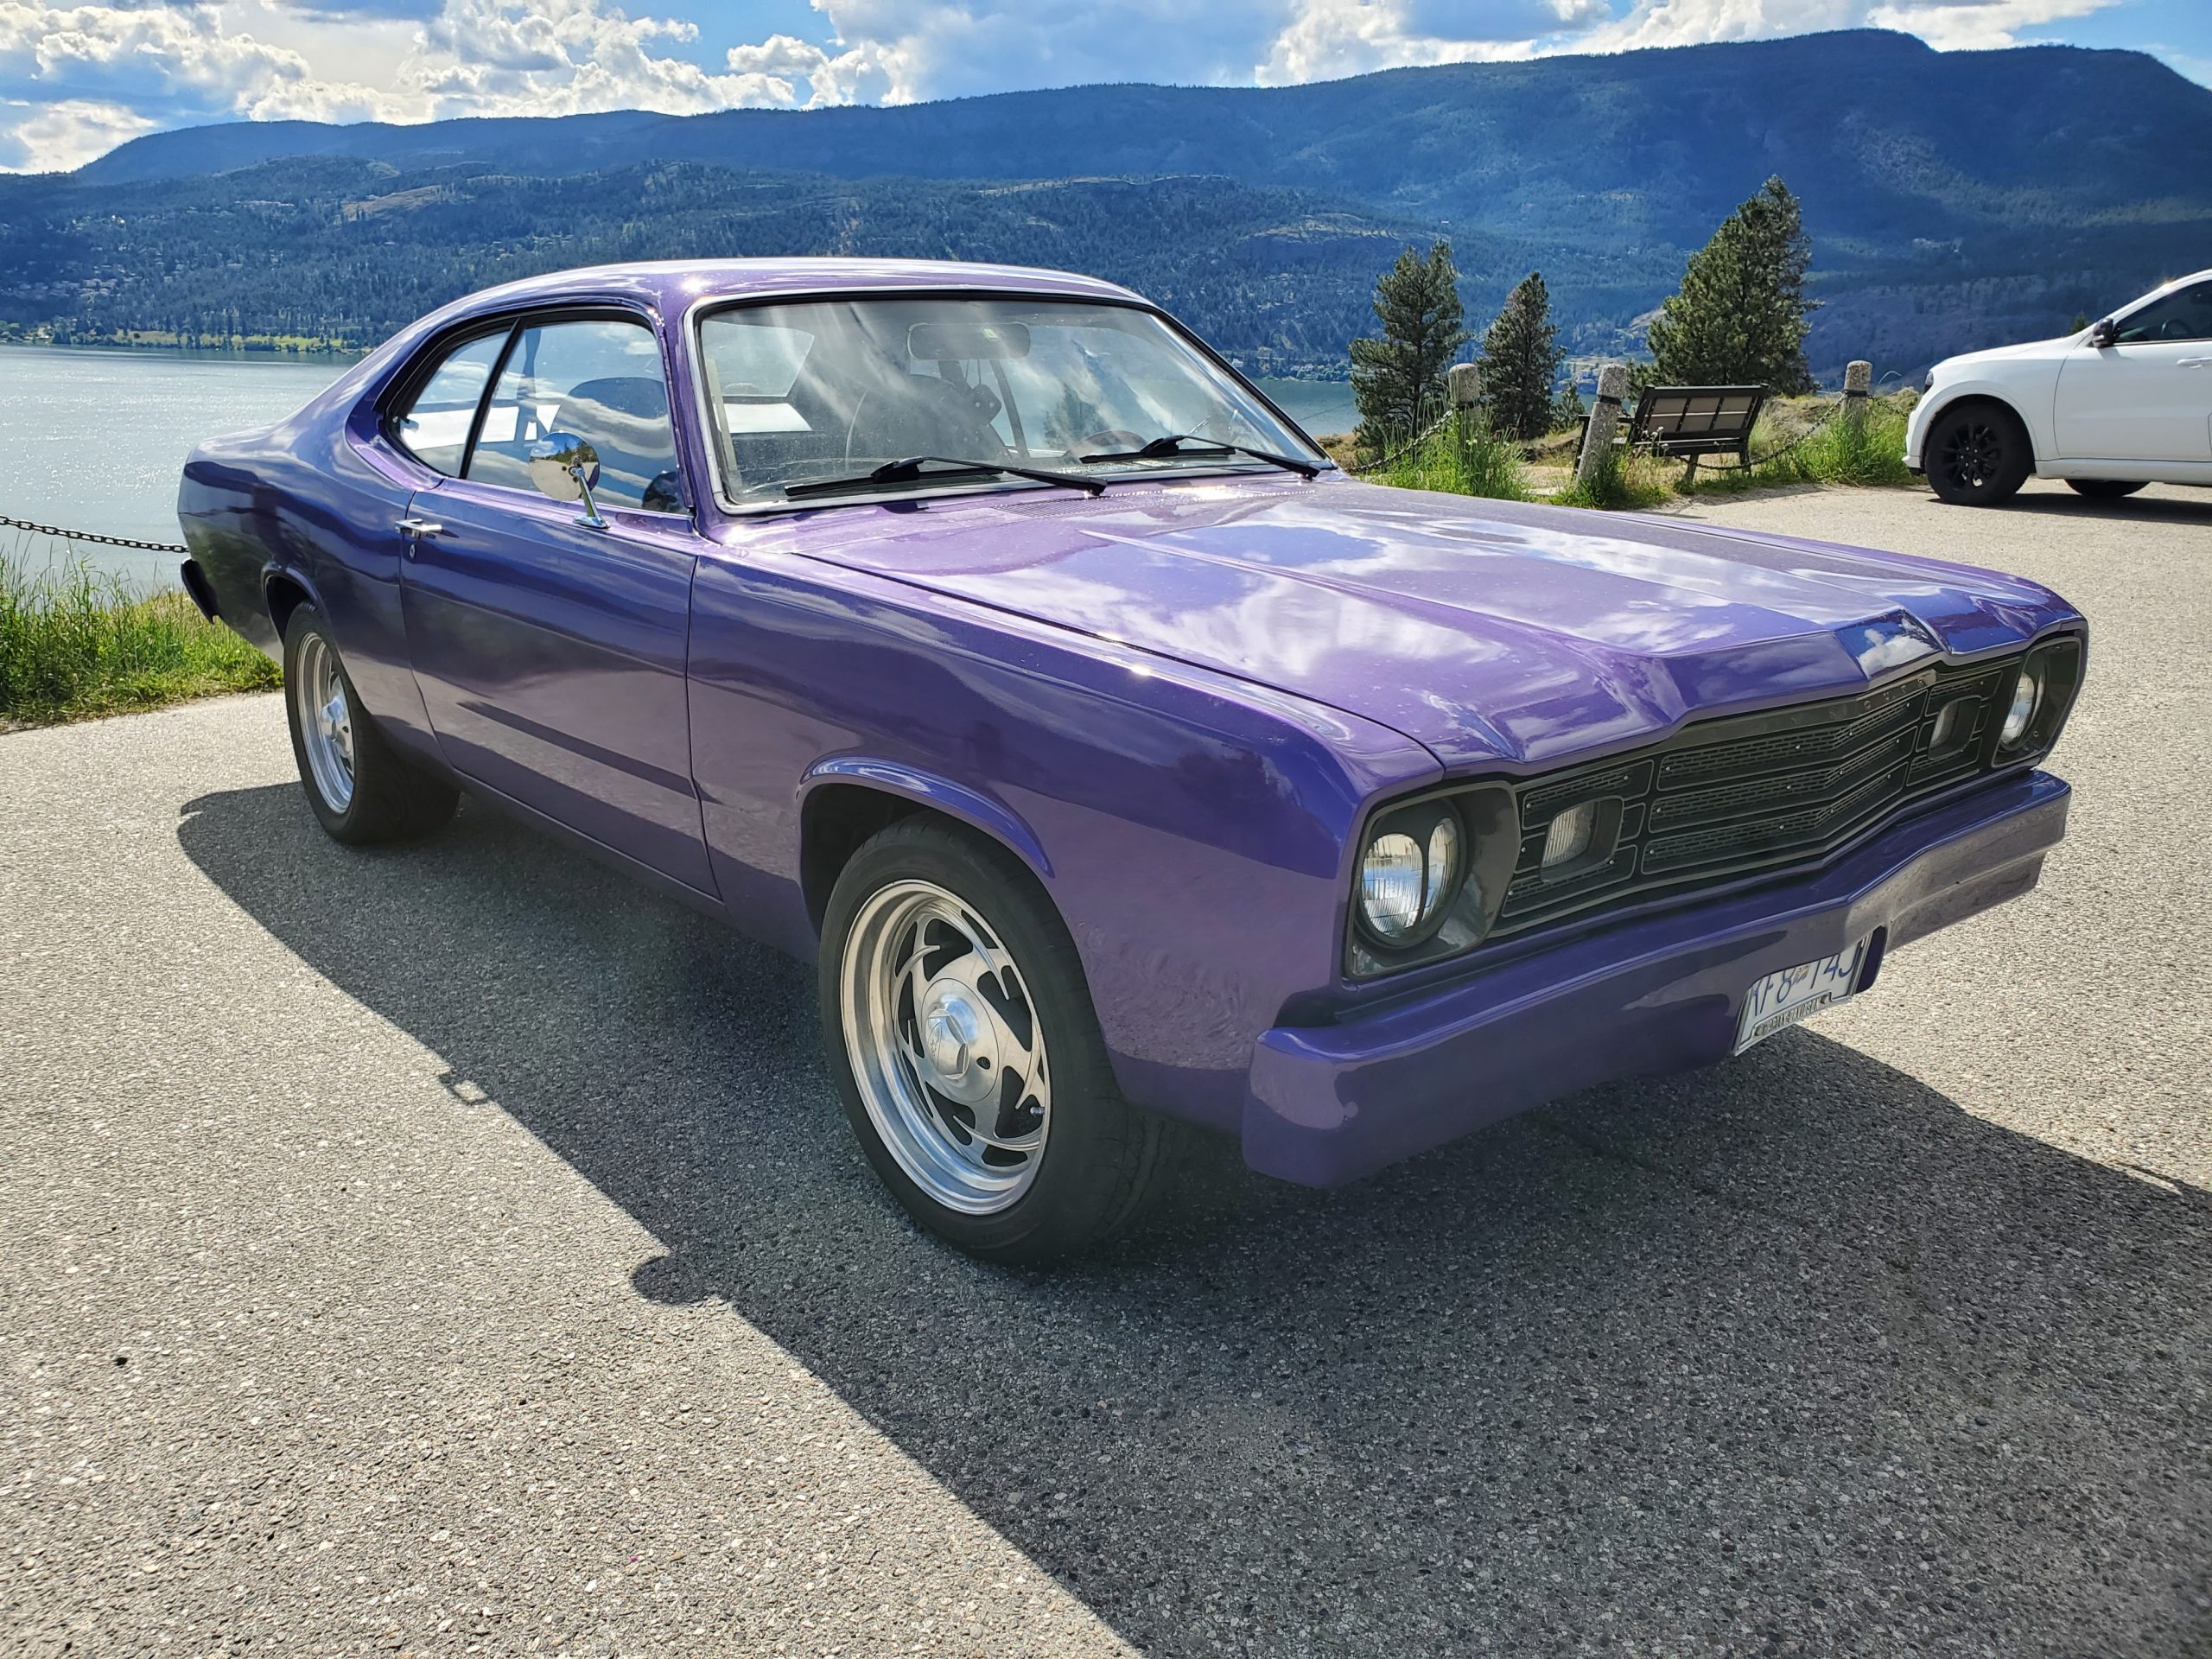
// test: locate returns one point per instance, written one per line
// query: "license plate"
(1781, 1000)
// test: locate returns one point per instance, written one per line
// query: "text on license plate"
(1781, 1000)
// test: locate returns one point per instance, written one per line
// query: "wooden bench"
(1690, 421)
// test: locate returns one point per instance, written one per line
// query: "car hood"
(2027, 352)
(1485, 631)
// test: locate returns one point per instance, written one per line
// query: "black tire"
(1101, 1155)
(1977, 453)
(2102, 489)
(391, 799)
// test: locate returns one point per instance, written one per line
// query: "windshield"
(835, 389)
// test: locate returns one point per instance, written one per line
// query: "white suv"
(2124, 403)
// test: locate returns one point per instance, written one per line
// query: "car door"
(550, 650)
(2147, 396)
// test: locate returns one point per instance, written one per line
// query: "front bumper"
(1328, 1103)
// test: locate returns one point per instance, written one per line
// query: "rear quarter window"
(433, 425)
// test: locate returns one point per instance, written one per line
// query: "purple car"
(981, 635)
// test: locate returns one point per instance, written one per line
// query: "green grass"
(76, 642)
(1466, 458)
(1622, 482)
(1872, 454)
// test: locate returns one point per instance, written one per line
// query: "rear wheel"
(359, 787)
(1978, 455)
(2102, 489)
(958, 1028)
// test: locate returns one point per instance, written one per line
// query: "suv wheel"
(1978, 455)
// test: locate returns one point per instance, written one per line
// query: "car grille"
(1751, 793)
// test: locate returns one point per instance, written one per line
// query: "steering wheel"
(1113, 437)
(979, 400)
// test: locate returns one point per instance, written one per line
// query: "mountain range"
(1954, 200)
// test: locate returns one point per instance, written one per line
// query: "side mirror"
(2103, 333)
(564, 468)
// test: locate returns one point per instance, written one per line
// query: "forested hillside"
(1953, 199)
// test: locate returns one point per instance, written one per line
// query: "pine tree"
(1739, 318)
(1397, 380)
(1521, 358)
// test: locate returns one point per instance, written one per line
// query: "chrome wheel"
(945, 1047)
(326, 720)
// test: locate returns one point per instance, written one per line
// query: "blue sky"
(76, 80)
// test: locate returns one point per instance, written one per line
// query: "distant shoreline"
(249, 352)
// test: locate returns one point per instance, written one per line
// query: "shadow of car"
(1789, 1354)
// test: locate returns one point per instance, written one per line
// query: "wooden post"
(1858, 382)
(1604, 416)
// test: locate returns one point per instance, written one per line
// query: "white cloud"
(1332, 38)
(474, 57)
(55, 137)
(1966, 23)
(1978, 25)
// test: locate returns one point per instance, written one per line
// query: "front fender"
(973, 808)
(1189, 830)
(2032, 397)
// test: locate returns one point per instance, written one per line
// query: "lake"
(96, 438)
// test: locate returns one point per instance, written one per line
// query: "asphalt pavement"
(455, 1249)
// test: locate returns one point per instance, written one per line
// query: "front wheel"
(2102, 489)
(360, 788)
(1978, 455)
(958, 1028)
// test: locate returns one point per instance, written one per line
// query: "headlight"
(2042, 694)
(2027, 694)
(1409, 871)
(1429, 878)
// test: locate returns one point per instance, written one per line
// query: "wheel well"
(285, 596)
(837, 821)
(1983, 400)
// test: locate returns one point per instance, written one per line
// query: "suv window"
(600, 379)
(434, 427)
(2185, 314)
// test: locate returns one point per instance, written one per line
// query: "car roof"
(671, 285)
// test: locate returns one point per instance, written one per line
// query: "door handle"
(412, 530)
(2194, 363)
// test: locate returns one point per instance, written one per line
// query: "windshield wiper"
(909, 471)
(1169, 447)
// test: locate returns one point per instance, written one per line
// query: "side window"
(601, 380)
(434, 427)
(2186, 314)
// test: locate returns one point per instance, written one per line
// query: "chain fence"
(1706, 463)
(1398, 455)
(64, 535)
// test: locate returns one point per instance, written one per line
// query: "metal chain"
(1832, 411)
(1399, 455)
(60, 534)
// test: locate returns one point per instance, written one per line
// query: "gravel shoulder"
(455, 1249)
